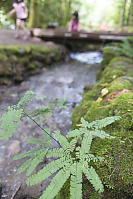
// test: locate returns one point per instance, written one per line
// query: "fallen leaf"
(104, 91)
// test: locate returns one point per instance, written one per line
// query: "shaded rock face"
(18, 62)
(112, 96)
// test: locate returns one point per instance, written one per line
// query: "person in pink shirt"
(21, 11)
(74, 24)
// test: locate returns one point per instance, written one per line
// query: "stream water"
(63, 80)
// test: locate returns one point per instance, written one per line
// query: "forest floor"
(7, 37)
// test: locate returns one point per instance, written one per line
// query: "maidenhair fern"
(70, 160)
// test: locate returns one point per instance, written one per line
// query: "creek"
(64, 80)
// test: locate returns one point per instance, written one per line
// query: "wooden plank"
(82, 35)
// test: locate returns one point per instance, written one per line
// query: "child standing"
(22, 13)
(74, 25)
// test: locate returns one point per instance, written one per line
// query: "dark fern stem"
(41, 128)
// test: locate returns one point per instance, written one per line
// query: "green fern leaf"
(56, 184)
(86, 144)
(44, 173)
(35, 161)
(25, 165)
(76, 181)
(63, 141)
(75, 133)
(28, 97)
(55, 152)
(33, 152)
(37, 157)
(99, 124)
(101, 134)
(94, 179)
(9, 122)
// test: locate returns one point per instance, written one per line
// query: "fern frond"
(44, 173)
(125, 48)
(33, 152)
(63, 141)
(73, 144)
(94, 179)
(55, 152)
(56, 184)
(28, 97)
(37, 156)
(75, 133)
(95, 125)
(76, 181)
(99, 124)
(101, 134)
(35, 161)
(86, 144)
(25, 165)
(9, 122)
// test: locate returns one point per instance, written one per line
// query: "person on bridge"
(74, 24)
(21, 11)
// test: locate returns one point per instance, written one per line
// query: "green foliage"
(72, 162)
(125, 48)
(10, 119)
(9, 122)
(68, 161)
(36, 156)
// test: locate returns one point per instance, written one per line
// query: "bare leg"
(17, 28)
(26, 36)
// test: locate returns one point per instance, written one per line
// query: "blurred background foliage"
(93, 13)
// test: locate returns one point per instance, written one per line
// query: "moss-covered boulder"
(112, 96)
(117, 67)
(18, 62)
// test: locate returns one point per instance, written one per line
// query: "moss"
(109, 53)
(120, 84)
(21, 61)
(116, 170)
(118, 67)
(79, 112)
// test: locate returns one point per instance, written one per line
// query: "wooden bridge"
(59, 34)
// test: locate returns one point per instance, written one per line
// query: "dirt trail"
(7, 37)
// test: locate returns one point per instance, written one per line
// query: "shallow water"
(64, 80)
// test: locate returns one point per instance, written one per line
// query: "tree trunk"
(34, 14)
(123, 13)
(67, 11)
(131, 14)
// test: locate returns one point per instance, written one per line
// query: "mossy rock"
(116, 172)
(117, 67)
(120, 84)
(109, 53)
(18, 62)
(121, 105)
